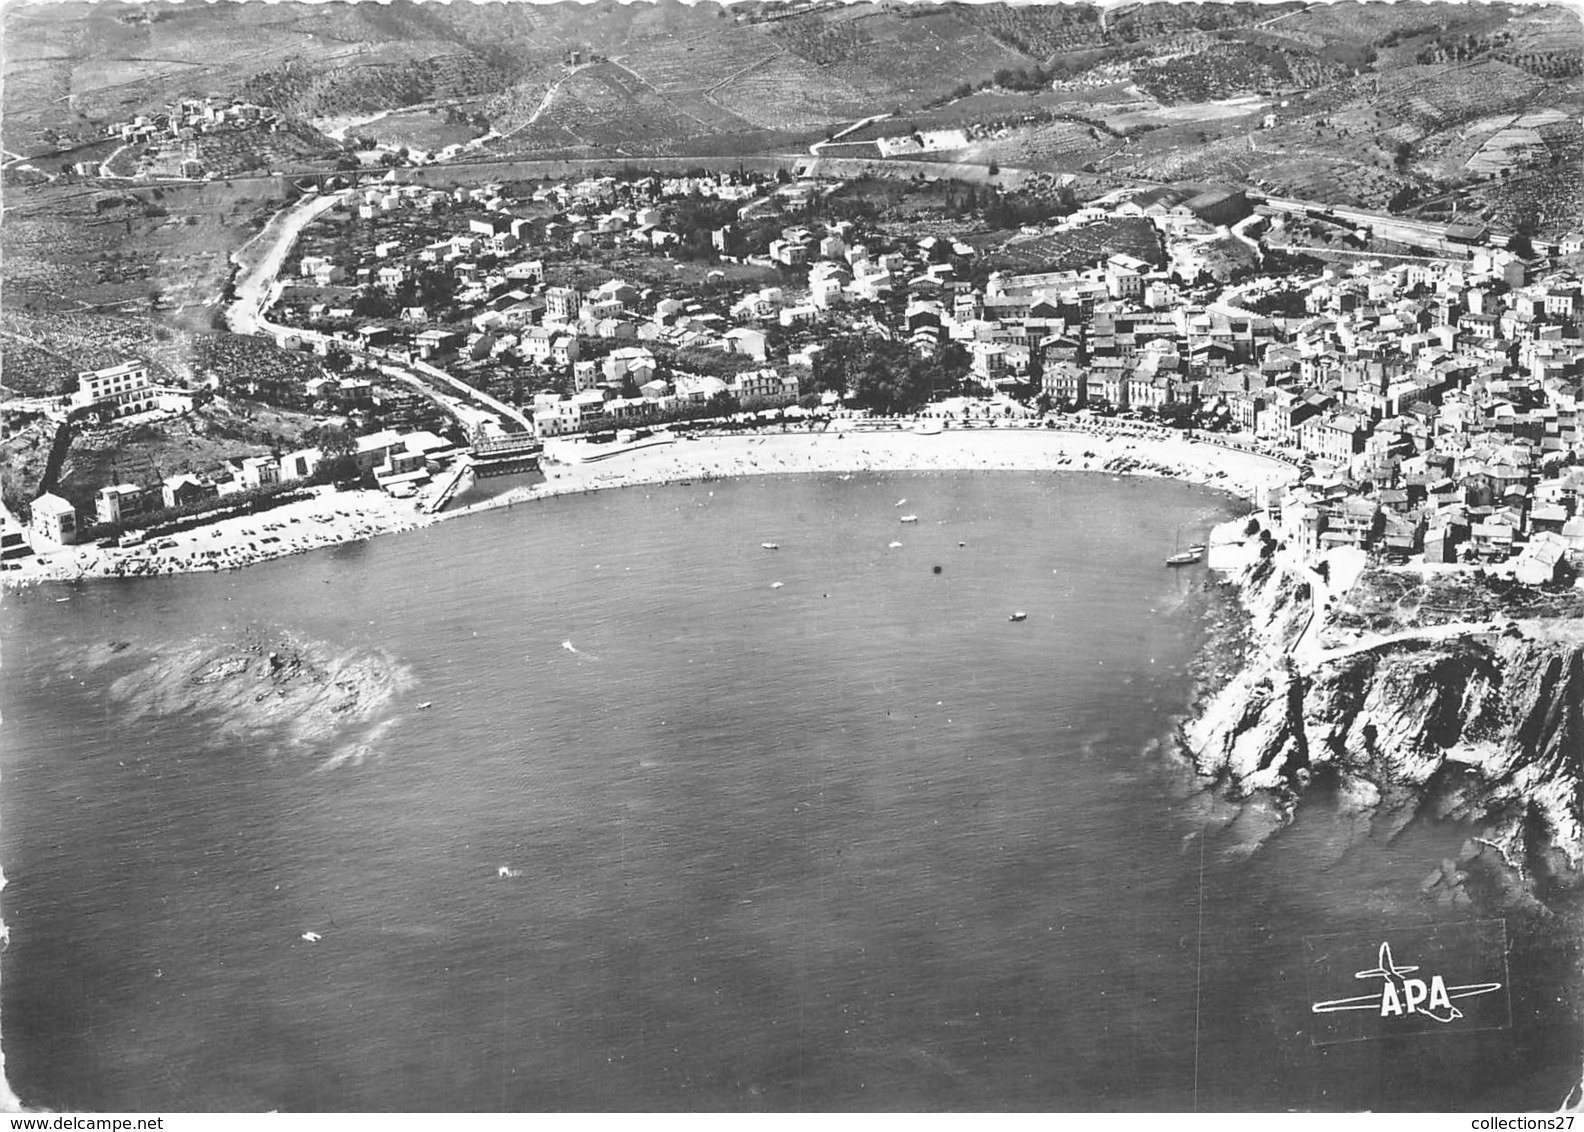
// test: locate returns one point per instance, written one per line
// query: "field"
(45, 352)
(1070, 250)
(924, 55)
(607, 108)
(787, 93)
(1039, 31)
(1053, 146)
(69, 249)
(682, 278)
(427, 130)
(702, 61)
(1209, 69)
(989, 107)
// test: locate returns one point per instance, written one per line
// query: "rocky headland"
(1480, 722)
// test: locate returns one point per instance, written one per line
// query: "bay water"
(646, 830)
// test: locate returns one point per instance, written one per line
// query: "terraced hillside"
(1369, 102)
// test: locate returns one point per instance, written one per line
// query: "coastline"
(331, 517)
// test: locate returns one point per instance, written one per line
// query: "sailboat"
(1185, 557)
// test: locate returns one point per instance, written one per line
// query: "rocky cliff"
(1483, 726)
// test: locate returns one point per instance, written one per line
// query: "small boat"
(771, 545)
(1018, 616)
(775, 585)
(311, 937)
(426, 705)
(1197, 548)
(894, 545)
(909, 518)
(1186, 558)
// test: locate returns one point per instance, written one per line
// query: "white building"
(125, 389)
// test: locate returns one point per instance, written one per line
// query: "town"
(1429, 399)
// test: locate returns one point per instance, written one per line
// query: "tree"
(885, 378)
(1527, 225)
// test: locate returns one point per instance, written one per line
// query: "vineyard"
(44, 352)
(1216, 70)
(701, 62)
(91, 248)
(923, 55)
(1441, 97)
(1056, 145)
(1039, 31)
(375, 80)
(783, 95)
(1074, 249)
(427, 130)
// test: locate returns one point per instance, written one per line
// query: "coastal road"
(1370, 641)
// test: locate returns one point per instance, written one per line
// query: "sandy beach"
(332, 517)
(327, 518)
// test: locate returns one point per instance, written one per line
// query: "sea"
(662, 819)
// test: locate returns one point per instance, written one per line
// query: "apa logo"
(1400, 996)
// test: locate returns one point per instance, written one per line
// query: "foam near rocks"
(273, 691)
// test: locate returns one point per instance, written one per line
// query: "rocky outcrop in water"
(266, 692)
(1482, 726)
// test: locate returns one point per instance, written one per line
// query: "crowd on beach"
(327, 518)
(856, 444)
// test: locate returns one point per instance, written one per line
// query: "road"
(544, 104)
(814, 150)
(256, 285)
(1382, 223)
(1447, 632)
(1240, 232)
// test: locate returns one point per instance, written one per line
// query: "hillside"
(1372, 104)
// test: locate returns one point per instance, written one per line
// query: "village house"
(125, 501)
(53, 522)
